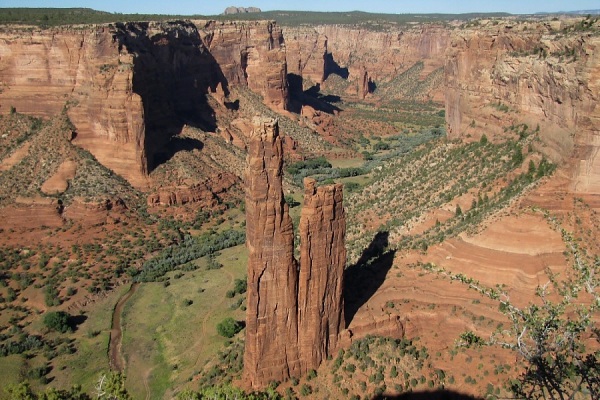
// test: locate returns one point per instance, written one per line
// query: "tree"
(470, 339)
(23, 391)
(57, 321)
(458, 211)
(550, 334)
(229, 327)
(111, 386)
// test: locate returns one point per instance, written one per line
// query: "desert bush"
(229, 327)
(57, 321)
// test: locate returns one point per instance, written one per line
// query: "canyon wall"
(538, 73)
(293, 319)
(44, 71)
(251, 54)
(315, 53)
(128, 88)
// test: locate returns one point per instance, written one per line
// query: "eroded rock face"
(498, 76)
(306, 52)
(323, 260)
(251, 54)
(314, 53)
(293, 318)
(205, 194)
(271, 350)
(83, 69)
(128, 88)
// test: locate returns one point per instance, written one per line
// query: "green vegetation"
(470, 339)
(177, 341)
(189, 249)
(108, 386)
(66, 16)
(229, 327)
(49, 146)
(320, 169)
(57, 321)
(72, 16)
(398, 363)
(406, 187)
(551, 333)
(227, 392)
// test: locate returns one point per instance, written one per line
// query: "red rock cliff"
(316, 52)
(533, 73)
(293, 319)
(322, 264)
(129, 87)
(44, 70)
(271, 350)
(251, 54)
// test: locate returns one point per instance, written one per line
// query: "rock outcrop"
(314, 53)
(129, 87)
(240, 10)
(513, 73)
(251, 54)
(293, 318)
(322, 264)
(306, 52)
(205, 194)
(83, 70)
(95, 213)
(271, 349)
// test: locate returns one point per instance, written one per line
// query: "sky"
(212, 7)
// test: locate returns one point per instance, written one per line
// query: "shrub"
(57, 321)
(470, 339)
(229, 327)
(305, 390)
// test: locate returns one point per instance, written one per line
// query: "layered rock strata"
(204, 194)
(250, 54)
(362, 56)
(322, 264)
(293, 318)
(502, 75)
(129, 87)
(271, 350)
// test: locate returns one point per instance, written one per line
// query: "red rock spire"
(293, 318)
(271, 351)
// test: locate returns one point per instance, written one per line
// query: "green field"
(169, 332)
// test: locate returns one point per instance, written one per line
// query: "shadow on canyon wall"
(332, 67)
(309, 97)
(173, 72)
(364, 278)
(433, 395)
(175, 145)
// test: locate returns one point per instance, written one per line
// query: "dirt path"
(146, 386)
(116, 334)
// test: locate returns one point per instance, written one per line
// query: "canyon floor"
(442, 233)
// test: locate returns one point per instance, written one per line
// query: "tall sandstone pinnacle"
(322, 263)
(271, 351)
(294, 317)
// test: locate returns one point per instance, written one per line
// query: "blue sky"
(211, 7)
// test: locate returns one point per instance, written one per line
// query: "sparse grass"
(173, 334)
(91, 357)
(405, 188)
(10, 370)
